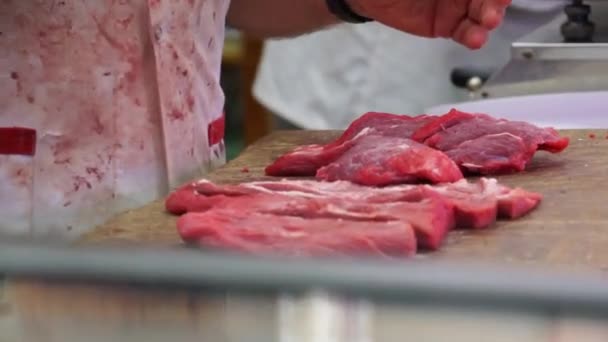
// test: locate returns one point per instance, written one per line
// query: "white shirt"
(326, 79)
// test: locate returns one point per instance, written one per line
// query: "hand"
(468, 22)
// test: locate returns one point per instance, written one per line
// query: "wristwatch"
(342, 10)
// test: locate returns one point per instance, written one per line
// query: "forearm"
(279, 18)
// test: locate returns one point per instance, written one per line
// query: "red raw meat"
(482, 144)
(306, 160)
(440, 124)
(466, 197)
(432, 210)
(492, 153)
(477, 143)
(201, 196)
(262, 233)
(429, 214)
(377, 161)
(385, 124)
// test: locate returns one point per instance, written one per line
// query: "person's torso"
(347, 70)
(122, 95)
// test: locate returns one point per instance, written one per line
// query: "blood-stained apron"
(104, 106)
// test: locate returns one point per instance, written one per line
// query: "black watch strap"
(342, 10)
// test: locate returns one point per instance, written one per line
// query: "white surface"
(561, 111)
(327, 79)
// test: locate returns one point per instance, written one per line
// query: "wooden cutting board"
(569, 229)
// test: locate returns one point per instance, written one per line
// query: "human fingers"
(470, 34)
(448, 16)
(488, 13)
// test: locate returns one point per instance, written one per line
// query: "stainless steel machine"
(557, 74)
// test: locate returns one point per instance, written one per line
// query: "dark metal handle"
(461, 77)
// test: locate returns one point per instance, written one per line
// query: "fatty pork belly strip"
(267, 233)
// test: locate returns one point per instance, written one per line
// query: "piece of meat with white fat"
(432, 210)
(202, 195)
(475, 200)
(477, 143)
(385, 124)
(378, 161)
(306, 160)
(430, 215)
(482, 144)
(263, 233)
(465, 196)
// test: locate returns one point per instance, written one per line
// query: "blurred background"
(246, 119)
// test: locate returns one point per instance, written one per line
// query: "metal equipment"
(557, 75)
(568, 54)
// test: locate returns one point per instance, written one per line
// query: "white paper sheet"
(581, 110)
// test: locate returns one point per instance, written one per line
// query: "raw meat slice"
(385, 124)
(441, 123)
(306, 160)
(261, 233)
(188, 197)
(473, 201)
(477, 143)
(491, 154)
(316, 218)
(378, 161)
(482, 144)
(515, 203)
(430, 215)
(473, 205)
(451, 129)
(468, 198)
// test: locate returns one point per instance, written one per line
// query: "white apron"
(125, 100)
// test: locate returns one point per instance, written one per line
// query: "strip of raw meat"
(475, 205)
(248, 215)
(473, 201)
(378, 161)
(201, 196)
(514, 203)
(430, 215)
(469, 199)
(261, 233)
